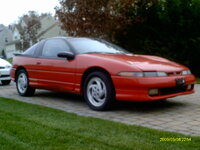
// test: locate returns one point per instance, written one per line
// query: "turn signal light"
(153, 92)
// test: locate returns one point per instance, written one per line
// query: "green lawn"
(198, 80)
(31, 127)
(9, 60)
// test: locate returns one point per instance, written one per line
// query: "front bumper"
(137, 88)
(5, 74)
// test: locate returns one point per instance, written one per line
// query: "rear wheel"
(5, 82)
(22, 83)
(98, 91)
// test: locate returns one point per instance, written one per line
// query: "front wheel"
(22, 83)
(98, 91)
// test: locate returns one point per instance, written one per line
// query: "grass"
(198, 80)
(26, 126)
(9, 60)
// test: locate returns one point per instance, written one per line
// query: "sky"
(11, 10)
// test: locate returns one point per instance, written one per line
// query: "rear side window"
(53, 47)
(31, 51)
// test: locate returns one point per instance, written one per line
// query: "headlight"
(143, 74)
(131, 74)
(8, 66)
(150, 74)
(186, 72)
(155, 74)
(161, 74)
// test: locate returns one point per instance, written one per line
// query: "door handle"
(38, 63)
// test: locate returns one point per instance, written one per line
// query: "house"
(16, 32)
(5, 37)
(49, 28)
(12, 47)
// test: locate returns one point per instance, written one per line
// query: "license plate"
(180, 82)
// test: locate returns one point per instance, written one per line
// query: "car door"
(56, 73)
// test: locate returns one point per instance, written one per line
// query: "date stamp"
(178, 139)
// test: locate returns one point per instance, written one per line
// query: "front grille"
(2, 67)
(172, 90)
(5, 76)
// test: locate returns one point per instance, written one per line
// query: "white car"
(5, 67)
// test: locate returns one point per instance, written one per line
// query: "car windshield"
(85, 45)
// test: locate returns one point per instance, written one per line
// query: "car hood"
(4, 63)
(144, 62)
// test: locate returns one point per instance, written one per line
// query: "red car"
(102, 72)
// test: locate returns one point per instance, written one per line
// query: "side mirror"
(67, 55)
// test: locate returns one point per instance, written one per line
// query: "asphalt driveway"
(180, 114)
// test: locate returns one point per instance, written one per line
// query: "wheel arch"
(19, 68)
(94, 69)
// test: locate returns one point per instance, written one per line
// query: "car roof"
(68, 37)
(62, 37)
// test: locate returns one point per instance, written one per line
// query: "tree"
(170, 28)
(94, 18)
(29, 31)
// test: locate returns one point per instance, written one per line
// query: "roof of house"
(12, 42)
(46, 30)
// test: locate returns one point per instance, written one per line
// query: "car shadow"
(4, 85)
(151, 106)
(59, 96)
(11, 84)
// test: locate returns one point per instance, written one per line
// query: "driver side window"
(53, 47)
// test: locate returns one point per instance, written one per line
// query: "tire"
(5, 82)
(98, 91)
(22, 84)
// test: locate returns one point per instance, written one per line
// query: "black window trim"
(39, 49)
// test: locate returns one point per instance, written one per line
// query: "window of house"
(6, 40)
